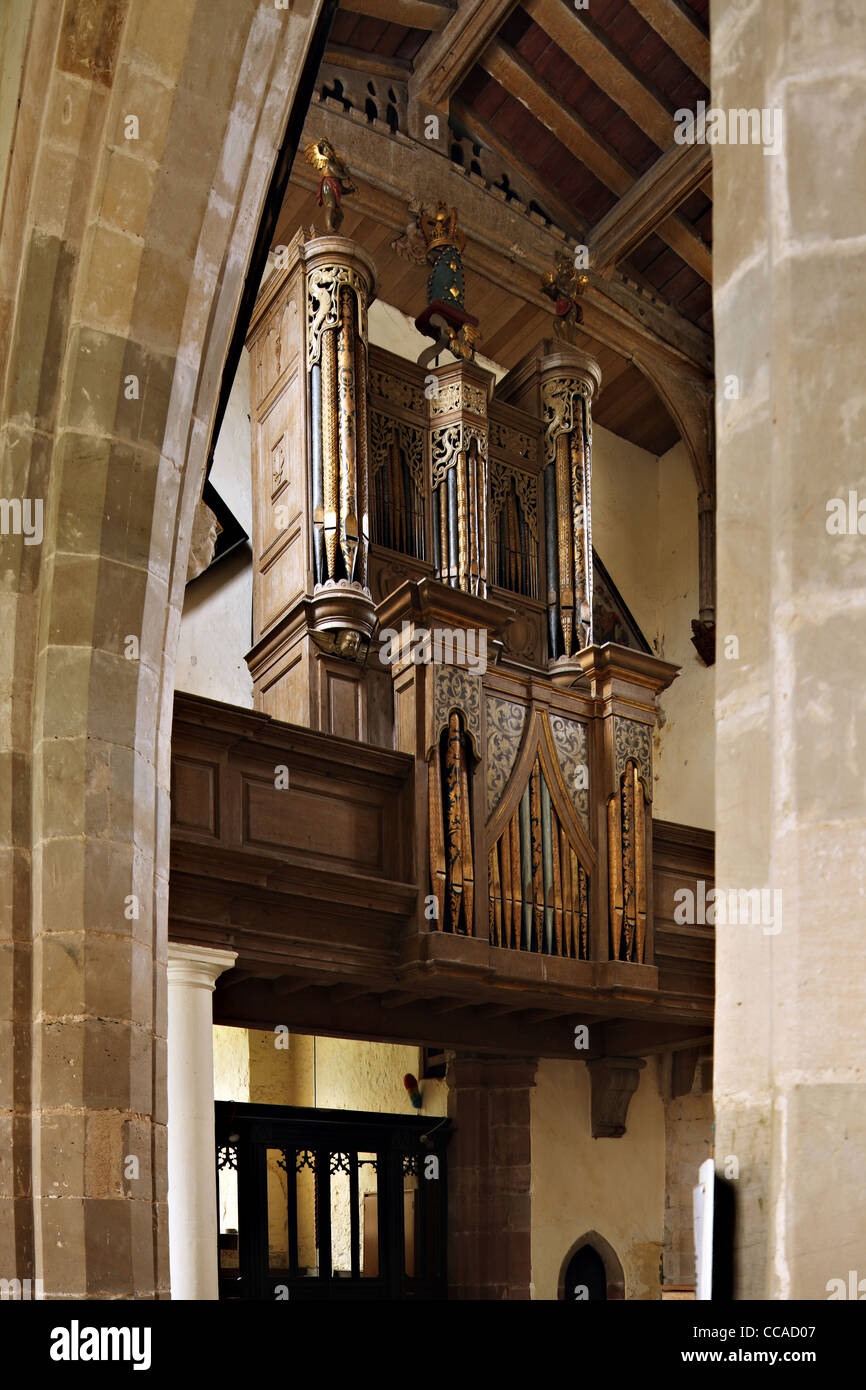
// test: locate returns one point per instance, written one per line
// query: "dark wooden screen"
(330, 1204)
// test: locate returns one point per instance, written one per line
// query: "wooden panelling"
(195, 794)
(332, 824)
(315, 885)
(683, 859)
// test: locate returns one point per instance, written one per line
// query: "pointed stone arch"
(121, 270)
(612, 1265)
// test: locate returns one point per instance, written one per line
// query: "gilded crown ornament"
(335, 183)
(445, 319)
(441, 231)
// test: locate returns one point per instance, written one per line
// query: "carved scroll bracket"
(557, 399)
(449, 442)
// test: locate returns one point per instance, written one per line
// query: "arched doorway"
(591, 1271)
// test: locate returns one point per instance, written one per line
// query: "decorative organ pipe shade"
(452, 872)
(460, 508)
(397, 466)
(626, 829)
(337, 313)
(538, 889)
(566, 406)
(514, 529)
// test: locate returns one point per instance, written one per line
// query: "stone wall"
(615, 1187)
(789, 297)
(688, 1141)
(122, 260)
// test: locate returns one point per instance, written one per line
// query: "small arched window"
(591, 1271)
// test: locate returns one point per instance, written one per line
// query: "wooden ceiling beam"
(395, 999)
(512, 165)
(504, 244)
(414, 14)
(517, 78)
(608, 67)
(392, 69)
(445, 60)
(507, 68)
(648, 205)
(680, 31)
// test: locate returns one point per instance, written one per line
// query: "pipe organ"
(423, 580)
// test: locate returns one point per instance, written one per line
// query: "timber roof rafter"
(554, 127)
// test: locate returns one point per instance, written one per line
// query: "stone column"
(489, 1202)
(789, 297)
(192, 1207)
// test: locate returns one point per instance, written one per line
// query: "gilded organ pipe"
(567, 390)
(346, 397)
(330, 455)
(338, 285)
(538, 889)
(627, 830)
(363, 454)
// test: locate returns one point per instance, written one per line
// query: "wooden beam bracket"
(613, 1082)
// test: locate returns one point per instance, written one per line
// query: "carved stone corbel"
(613, 1082)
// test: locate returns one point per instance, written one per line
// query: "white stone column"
(192, 1203)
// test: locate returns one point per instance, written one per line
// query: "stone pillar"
(489, 1177)
(789, 298)
(192, 1206)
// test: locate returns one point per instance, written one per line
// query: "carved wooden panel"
(280, 501)
(504, 720)
(343, 700)
(389, 570)
(524, 639)
(279, 431)
(275, 351)
(284, 692)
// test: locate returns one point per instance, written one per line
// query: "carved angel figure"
(564, 285)
(410, 242)
(335, 183)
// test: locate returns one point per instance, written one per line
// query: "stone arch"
(122, 266)
(611, 1261)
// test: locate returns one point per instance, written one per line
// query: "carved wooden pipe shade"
(627, 866)
(538, 888)
(452, 873)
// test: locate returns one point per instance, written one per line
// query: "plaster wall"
(688, 1141)
(216, 628)
(328, 1073)
(684, 754)
(579, 1184)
